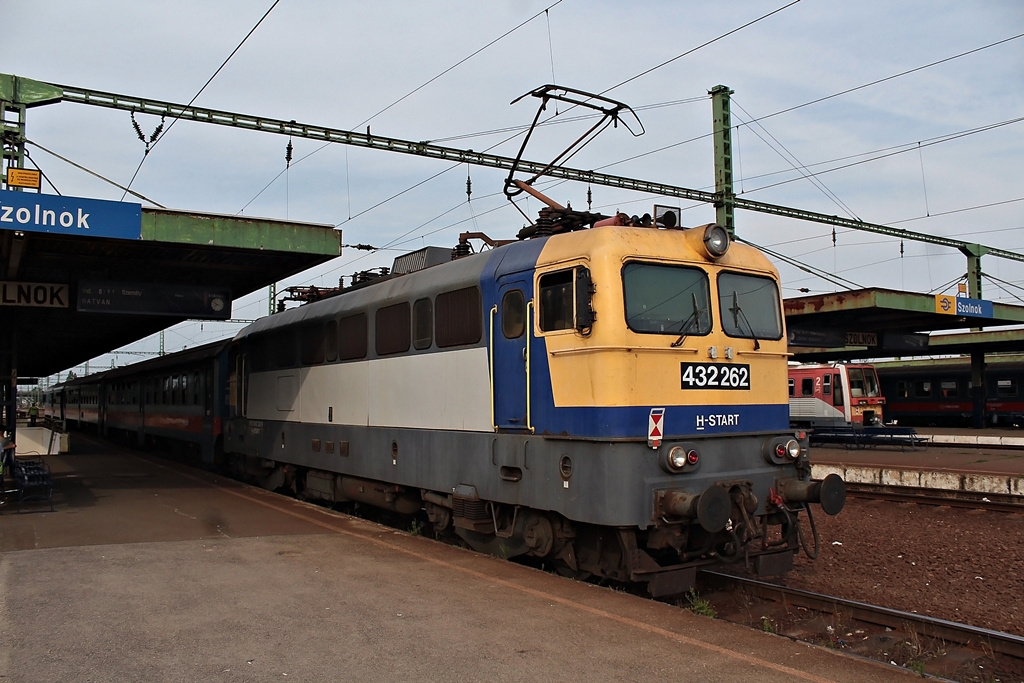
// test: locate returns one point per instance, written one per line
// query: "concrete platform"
(151, 571)
(970, 465)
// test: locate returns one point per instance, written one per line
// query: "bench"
(30, 479)
(867, 437)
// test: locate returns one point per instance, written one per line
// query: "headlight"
(679, 459)
(789, 449)
(716, 240)
(782, 451)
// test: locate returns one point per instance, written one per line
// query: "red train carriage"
(834, 395)
(937, 391)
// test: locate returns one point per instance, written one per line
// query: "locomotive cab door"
(510, 329)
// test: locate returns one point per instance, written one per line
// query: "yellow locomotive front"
(685, 325)
(656, 371)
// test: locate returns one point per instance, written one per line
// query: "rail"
(1002, 643)
(959, 498)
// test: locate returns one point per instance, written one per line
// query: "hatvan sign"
(33, 212)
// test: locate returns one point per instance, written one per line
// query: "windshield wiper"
(738, 313)
(684, 327)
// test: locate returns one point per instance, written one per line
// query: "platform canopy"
(880, 323)
(77, 281)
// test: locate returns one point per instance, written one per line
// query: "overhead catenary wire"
(698, 47)
(409, 94)
(153, 143)
(488, 45)
(798, 165)
(807, 268)
(93, 173)
(760, 118)
(844, 231)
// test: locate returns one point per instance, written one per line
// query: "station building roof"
(87, 295)
(881, 323)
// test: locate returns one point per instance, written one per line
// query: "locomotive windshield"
(749, 306)
(666, 299)
(863, 382)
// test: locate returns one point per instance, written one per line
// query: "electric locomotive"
(607, 395)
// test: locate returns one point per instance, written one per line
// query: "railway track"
(1002, 643)
(975, 500)
(930, 636)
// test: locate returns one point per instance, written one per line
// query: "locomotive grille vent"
(475, 510)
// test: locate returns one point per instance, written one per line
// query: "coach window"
(826, 385)
(352, 343)
(807, 386)
(922, 388)
(283, 347)
(903, 389)
(186, 395)
(792, 386)
(1006, 387)
(513, 314)
(838, 398)
(948, 388)
(259, 353)
(422, 324)
(197, 390)
(458, 319)
(331, 341)
(312, 340)
(391, 329)
(666, 299)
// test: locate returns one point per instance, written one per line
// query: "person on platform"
(33, 414)
(7, 448)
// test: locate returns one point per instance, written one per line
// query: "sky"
(905, 114)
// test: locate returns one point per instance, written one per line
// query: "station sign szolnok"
(961, 305)
(54, 214)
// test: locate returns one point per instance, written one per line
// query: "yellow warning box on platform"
(24, 177)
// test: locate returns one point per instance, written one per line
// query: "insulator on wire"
(901, 248)
(833, 237)
(152, 138)
(138, 128)
(288, 154)
(589, 197)
(469, 188)
(156, 131)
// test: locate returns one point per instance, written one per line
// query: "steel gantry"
(723, 197)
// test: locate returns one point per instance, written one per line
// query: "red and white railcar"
(834, 395)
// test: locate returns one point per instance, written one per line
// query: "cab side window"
(556, 303)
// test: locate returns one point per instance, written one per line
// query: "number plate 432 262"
(715, 375)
